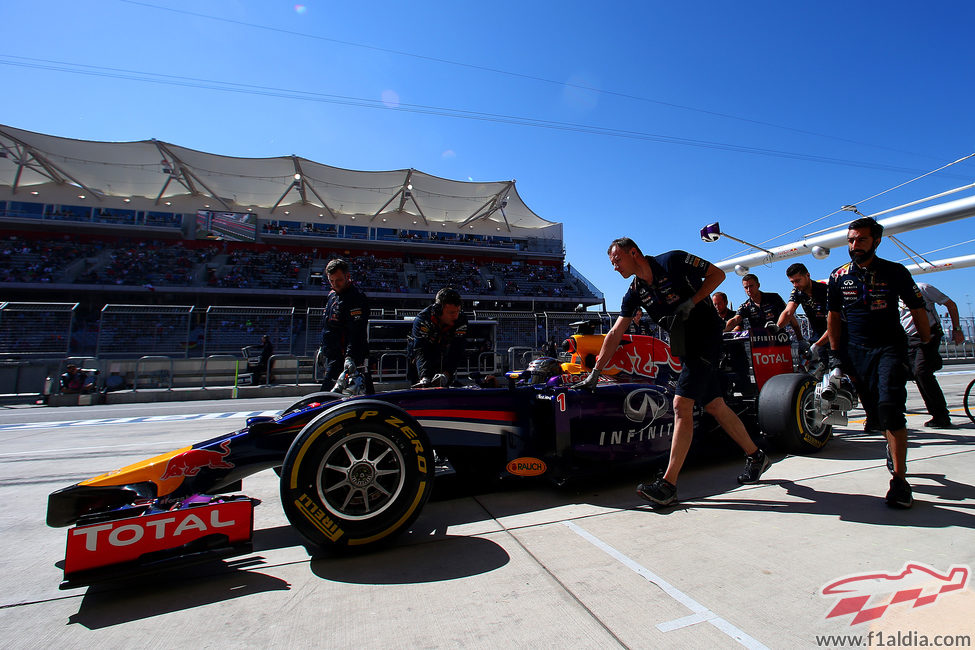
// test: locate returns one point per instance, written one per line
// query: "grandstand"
(155, 224)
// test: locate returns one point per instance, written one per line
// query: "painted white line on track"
(143, 419)
(701, 613)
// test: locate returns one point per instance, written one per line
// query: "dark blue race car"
(355, 471)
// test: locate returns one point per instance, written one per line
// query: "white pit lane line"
(701, 613)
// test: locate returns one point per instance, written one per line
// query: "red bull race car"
(355, 471)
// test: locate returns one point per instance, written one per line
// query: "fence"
(230, 329)
(133, 331)
(140, 330)
(36, 328)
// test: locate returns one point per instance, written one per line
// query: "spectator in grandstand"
(674, 288)
(345, 322)
(435, 346)
(760, 308)
(925, 358)
(722, 306)
(76, 380)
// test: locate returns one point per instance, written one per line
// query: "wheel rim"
(361, 476)
(812, 420)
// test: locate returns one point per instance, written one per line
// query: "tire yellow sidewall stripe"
(322, 428)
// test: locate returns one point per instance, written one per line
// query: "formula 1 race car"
(355, 471)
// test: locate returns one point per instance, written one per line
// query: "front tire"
(787, 412)
(357, 475)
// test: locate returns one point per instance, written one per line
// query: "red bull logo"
(189, 463)
(644, 356)
(868, 596)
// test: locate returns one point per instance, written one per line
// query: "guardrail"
(152, 359)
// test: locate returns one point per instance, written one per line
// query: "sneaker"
(872, 427)
(755, 466)
(890, 461)
(660, 492)
(899, 495)
(939, 423)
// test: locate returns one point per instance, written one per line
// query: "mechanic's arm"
(611, 342)
(732, 323)
(788, 315)
(956, 334)
(834, 330)
(712, 280)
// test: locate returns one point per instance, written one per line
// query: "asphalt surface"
(520, 565)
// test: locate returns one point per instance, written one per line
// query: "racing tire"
(787, 413)
(357, 475)
(320, 397)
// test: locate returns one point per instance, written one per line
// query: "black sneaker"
(939, 423)
(660, 492)
(890, 461)
(899, 495)
(755, 466)
(872, 427)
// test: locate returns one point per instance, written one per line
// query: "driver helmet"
(542, 369)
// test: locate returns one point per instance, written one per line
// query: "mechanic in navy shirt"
(345, 323)
(811, 295)
(674, 290)
(867, 340)
(435, 346)
(760, 308)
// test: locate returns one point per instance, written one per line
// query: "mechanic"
(637, 327)
(723, 307)
(759, 309)
(344, 324)
(812, 296)
(266, 351)
(925, 358)
(435, 346)
(674, 289)
(867, 341)
(75, 380)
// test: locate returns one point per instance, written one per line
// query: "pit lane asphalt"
(522, 565)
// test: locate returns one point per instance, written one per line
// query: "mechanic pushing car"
(760, 308)
(868, 343)
(812, 296)
(435, 346)
(674, 289)
(345, 322)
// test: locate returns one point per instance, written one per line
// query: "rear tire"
(357, 475)
(787, 414)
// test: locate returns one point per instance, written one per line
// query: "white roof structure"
(310, 191)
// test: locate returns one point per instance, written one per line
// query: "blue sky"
(762, 115)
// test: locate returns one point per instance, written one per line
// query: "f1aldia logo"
(868, 596)
(645, 403)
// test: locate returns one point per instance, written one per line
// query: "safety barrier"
(153, 381)
(228, 329)
(36, 328)
(149, 329)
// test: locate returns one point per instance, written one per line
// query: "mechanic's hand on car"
(349, 365)
(590, 382)
(772, 327)
(835, 363)
(815, 352)
(683, 311)
(439, 380)
(423, 383)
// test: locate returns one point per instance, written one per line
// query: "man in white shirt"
(925, 358)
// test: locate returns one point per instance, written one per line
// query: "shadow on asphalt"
(185, 589)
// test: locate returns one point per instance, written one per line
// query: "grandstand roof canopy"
(159, 170)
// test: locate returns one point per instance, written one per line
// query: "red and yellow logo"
(526, 466)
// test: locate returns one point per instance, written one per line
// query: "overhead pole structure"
(915, 220)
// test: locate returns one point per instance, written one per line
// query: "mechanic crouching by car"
(868, 343)
(345, 324)
(674, 289)
(435, 346)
